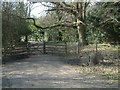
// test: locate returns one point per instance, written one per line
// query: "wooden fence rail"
(58, 47)
(18, 49)
(54, 47)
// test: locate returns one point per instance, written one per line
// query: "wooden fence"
(19, 49)
(54, 47)
(58, 47)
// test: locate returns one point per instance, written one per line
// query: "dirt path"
(47, 71)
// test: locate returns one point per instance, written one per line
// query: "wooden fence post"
(28, 48)
(78, 48)
(44, 47)
(65, 47)
(96, 52)
(118, 44)
(96, 48)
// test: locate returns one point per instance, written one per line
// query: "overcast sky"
(39, 10)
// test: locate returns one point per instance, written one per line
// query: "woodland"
(85, 22)
(95, 25)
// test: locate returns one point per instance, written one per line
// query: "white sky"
(38, 10)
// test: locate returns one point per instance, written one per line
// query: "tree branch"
(63, 24)
(47, 5)
(110, 20)
(66, 4)
(54, 25)
(68, 10)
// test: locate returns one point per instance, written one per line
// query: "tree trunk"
(82, 34)
(26, 38)
(81, 16)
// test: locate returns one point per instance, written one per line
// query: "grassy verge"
(108, 70)
(104, 72)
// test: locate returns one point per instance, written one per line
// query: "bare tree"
(76, 9)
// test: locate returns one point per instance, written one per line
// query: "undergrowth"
(107, 70)
(104, 72)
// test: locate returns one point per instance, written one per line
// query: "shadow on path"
(48, 71)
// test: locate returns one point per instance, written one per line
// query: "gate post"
(96, 47)
(78, 48)
(65, 47)
(44, 47)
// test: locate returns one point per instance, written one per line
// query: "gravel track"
(48, 71)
